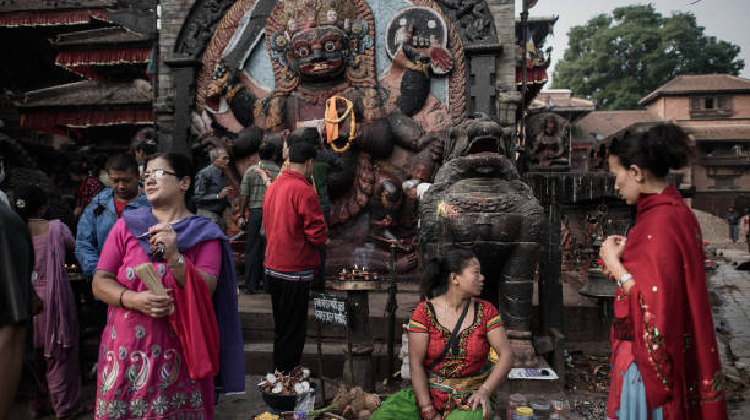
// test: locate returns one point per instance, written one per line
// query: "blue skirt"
(633, 398)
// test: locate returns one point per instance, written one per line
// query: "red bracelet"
(122, 305)
(428, 412)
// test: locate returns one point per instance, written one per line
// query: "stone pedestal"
(358, 366)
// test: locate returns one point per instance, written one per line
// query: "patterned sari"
(457, 376)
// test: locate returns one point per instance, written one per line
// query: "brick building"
(714, 109)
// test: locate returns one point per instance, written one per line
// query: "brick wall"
(504, 13)
(173, 15)
(678, 108)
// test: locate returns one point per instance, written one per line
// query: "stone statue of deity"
(478, 201)
(549, 146)
(379, 102)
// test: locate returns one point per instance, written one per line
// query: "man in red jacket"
(295, 229)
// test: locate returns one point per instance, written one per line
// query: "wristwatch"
(625, 277)
(180, 261)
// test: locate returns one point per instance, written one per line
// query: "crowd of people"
(153, 240)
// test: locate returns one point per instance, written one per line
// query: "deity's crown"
(305, 14)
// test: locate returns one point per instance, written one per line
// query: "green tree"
(617, 59)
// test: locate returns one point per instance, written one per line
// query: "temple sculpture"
(549, 142)
(478, 201)
(379, 103)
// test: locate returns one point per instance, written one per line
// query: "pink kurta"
(57, 371)
(142, 371)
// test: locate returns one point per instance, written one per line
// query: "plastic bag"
(305, 402)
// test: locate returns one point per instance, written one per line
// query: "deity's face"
(319, 53)
(550, 128)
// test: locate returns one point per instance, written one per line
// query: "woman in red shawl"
(664, 352)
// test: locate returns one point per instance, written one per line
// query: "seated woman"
(450, 370)
(159, 354)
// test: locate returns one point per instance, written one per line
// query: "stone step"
(256, 317)
(259, 358)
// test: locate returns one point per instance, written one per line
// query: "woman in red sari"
(664, 352)
(455, 384)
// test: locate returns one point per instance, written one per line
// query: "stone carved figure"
(474, 19)
(323, 58)
(549, 135)
(479, 201)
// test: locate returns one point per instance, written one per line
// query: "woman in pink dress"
(148, 367)
(56, 371)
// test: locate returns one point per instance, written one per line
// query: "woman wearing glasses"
(159, 354)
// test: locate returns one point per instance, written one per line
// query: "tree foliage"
(617, 59)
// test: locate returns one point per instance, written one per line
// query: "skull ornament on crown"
(321, 39)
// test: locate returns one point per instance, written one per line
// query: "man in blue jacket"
(100, 216)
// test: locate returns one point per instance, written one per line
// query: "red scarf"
(668, 311)
(194, 323)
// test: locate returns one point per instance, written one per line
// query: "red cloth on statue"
(472, 341)
(667, 314)
(194, 322)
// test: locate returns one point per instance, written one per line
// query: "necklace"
(37, 220)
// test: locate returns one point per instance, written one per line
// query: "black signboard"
(330, 309)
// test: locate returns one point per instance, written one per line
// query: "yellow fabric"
(332, 121)
(332, 127)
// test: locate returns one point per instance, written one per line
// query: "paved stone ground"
(730, 290)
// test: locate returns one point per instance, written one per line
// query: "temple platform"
(583, 323)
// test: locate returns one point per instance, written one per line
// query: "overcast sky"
(725, 19)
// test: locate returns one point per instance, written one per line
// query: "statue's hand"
(441, 60)
(434, 143)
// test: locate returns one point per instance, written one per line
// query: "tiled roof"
(561, 99)
(719, 132)
(110, 35)
(47, 5)
(88, 92)
(698, 83)
(598, 125)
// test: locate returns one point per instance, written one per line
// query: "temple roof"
(7, 6)
(561, 100)
(87, 104)
(539, 28)
(729, 132)
(699, 83)
(110, 35)
(599, 125)
(89, 92)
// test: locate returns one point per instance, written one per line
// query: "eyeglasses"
(224, 158)
(157, 174)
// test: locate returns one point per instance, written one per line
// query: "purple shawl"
(60, 318)
(190, 232)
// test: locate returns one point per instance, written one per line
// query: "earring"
(639, 180)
